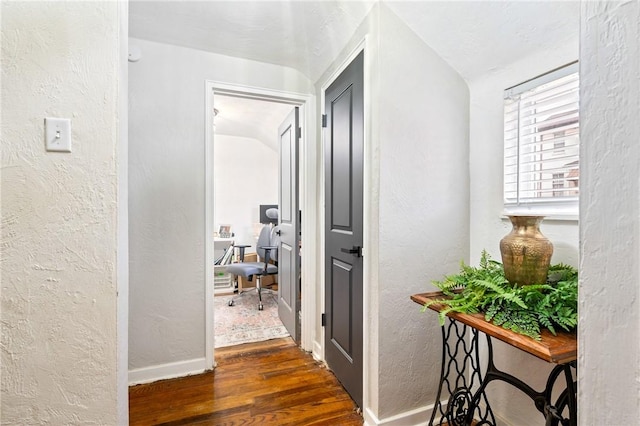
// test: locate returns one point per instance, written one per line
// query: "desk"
(462, 378)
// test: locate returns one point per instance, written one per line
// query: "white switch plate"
(57, 134)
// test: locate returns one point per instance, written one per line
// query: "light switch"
(57, 134)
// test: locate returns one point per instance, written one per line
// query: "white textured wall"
(246, 175)
(59, 214)
(486, 225)
(424, 206)
(167, 199)
(609, 327)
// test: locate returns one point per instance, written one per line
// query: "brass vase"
(526, 253)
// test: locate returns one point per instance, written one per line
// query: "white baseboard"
(317, 351)
(502, 421)
(167, 371)
(416, 417)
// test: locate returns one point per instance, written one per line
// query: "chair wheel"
(230, 302)
(260, 307)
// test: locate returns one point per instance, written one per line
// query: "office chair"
(267, 249)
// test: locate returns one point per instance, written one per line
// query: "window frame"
(564, 207)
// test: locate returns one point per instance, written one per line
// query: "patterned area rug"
(243, 322)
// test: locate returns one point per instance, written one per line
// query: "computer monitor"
(263, 214)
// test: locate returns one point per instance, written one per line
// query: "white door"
(289, 226)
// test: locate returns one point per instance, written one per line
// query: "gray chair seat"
(248, 269)
(267, 249)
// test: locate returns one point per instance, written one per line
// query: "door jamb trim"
(307, 201)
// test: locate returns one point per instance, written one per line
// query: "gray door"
(289, 252)
(344, 141)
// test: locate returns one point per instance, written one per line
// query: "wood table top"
(559, 349)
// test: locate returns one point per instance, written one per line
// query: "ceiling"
(474, 37)
(250, 118)
(477, 37)
(304, 35)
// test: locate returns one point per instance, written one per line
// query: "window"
(542, 143)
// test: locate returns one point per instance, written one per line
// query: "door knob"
(278, 232)
(357, 250)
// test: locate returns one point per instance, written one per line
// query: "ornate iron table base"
(461, 377)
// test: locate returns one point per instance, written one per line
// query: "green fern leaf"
(521, 309)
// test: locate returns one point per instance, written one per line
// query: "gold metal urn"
(526, 253)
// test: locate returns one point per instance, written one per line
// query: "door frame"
(369, 295)
(308, 200)
(122, 207)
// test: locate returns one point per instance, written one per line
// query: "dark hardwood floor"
(267, 383)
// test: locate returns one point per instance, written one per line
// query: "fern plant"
(524, 310)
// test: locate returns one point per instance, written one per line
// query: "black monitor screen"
(263, 213)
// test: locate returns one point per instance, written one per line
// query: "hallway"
(266, 383)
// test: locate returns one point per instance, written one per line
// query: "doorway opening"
(246, 183)
(242, 180)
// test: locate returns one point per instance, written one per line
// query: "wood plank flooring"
(267, 383)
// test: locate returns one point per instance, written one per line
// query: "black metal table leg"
(460, 374)
(553, 413)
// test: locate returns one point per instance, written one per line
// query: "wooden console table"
(462, 378)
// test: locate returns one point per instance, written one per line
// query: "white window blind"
(542, 141)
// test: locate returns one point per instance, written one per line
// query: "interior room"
(107, 254)
(245, 173)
